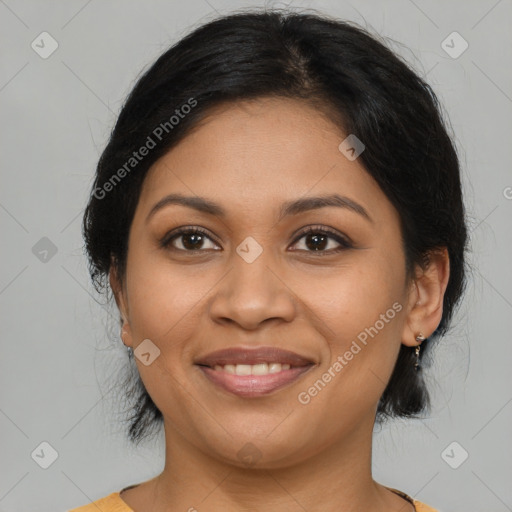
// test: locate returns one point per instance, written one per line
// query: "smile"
(253, 384)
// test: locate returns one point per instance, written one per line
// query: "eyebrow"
(295, 207)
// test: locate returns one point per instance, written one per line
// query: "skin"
(250, 157)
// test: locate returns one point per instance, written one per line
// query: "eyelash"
(166, 241)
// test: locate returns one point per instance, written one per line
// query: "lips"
(253, 372)
(236, 355)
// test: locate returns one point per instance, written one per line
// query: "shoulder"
(422, 507)
(110, 503)
(418, 505)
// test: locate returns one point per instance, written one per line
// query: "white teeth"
(252, 369)
(259, 369)
(230, 368)
(243, 369)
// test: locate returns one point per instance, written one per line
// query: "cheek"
(162, 309)
(162, 298)
(360, 310)
(351, 299)
(363, 309)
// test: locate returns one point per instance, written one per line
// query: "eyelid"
(170, 236)
(341, 238)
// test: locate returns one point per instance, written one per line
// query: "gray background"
(57, 363)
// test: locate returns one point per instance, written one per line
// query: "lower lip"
(254, 385)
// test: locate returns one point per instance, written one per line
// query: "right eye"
(191, 240)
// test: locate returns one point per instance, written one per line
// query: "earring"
(128, 348)
(419, 338)
(123, 334)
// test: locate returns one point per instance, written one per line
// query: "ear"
(122, 305)
(425, 308)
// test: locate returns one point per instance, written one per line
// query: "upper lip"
(241, 355)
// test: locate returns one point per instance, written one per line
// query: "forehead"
(260, 152)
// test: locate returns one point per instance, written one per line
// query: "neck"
(336, 478)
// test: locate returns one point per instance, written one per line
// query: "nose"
(252, 293)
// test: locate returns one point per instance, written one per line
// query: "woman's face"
(253, 279)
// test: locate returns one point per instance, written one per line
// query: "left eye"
(317, 240)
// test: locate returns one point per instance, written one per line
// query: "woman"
(279, 216)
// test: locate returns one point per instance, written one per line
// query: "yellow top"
(114, 503)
